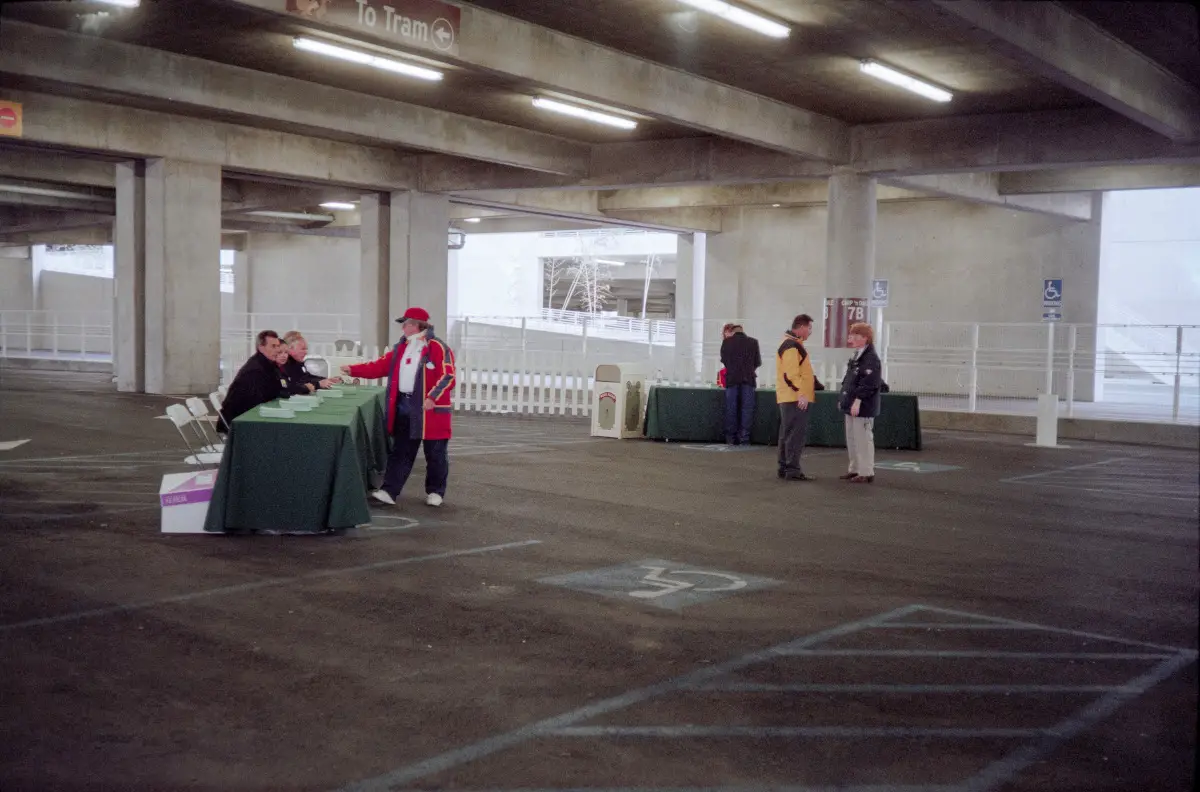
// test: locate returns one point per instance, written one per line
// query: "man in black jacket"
(258, 381)
(293, 367)
(859, 400)
(741, 358)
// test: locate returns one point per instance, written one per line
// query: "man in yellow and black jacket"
(795, 390)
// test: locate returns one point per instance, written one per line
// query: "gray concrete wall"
(303, 274)
(947, 261)
(64, 291)
(16, 281)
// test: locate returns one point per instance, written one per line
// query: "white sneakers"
(383, 497)
(432, 499)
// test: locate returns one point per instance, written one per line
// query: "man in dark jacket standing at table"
(741, 358)
(258, 381)
(859, 400)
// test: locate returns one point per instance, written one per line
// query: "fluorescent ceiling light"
(122, 3)
(293, 216)
(776, 206)
(740, 16)
(472, 219)
(366, 59)
(583, 112)
(611, 262)
(339, 205)
(908, 82)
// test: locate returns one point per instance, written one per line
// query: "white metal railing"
(1132, 372)
(56, 334)
(1139, 372)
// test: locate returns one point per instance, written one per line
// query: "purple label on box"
(196, 489)
(182, 498)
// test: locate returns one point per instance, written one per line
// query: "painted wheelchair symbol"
(662, 586)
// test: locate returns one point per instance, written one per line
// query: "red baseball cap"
(417, 314)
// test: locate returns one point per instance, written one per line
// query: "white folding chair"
(179, 415)
(221, 389)
(200, 423)
(217, 402)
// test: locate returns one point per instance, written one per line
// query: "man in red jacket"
(420, 372)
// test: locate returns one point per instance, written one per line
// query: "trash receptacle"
(618, 400)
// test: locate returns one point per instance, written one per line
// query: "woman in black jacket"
(860, 402)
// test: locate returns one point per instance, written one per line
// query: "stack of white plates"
(267, 411)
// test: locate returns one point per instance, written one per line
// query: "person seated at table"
(297, 350)
(259, 380)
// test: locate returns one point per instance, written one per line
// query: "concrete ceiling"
(817, 67)
(1072, 95)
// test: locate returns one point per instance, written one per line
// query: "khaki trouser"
(860, 444)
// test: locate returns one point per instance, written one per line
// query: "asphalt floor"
(599, 614)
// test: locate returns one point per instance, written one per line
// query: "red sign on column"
(840, 313)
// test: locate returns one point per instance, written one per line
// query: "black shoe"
(862, 480)
(847, 476)
(798, 477)
(782, 474)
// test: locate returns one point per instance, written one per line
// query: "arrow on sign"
(9, 445)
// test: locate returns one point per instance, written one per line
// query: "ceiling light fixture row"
(342, 206)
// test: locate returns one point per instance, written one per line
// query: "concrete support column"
(129, 278)
(420, 263)
(183, 289)
(690, 279)
(374, 269)
(849, 254)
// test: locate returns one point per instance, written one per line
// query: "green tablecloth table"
(697, 415)
(304, 474)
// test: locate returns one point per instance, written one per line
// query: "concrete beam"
(34, 228)
(85, 235)
(982, 188)
(260, 196)
(129, 132)
(525, 224)
(580, 68)
(1113, 177)
(54, 167)
(262, 99)
(345, 232)
(683, 161)
(797, 193)
(1012, 142)
(1056, 43)
(584, 205)
(54, 202)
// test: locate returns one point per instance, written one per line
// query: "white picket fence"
(509, 382)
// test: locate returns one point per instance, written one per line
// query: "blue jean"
(739, 413)
(404, 454)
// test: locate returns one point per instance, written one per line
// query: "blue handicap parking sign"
(1052, 293)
